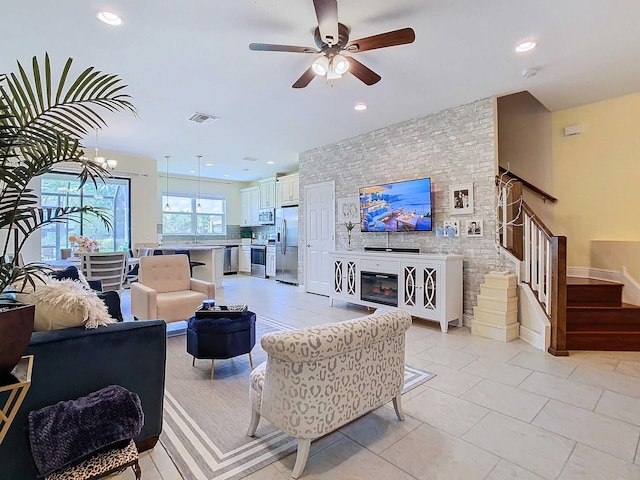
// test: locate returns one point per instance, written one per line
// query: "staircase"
(597, 319)
(583, 313)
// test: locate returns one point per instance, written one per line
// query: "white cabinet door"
(244, 260)
(255, 205)
(268, 193)
(289, 189)
(346, 284)
(250, 201)
(271, 262)
(245, 200)
(421, 289)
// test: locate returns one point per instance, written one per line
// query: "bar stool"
(191, 263)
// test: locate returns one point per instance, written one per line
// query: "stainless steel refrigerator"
(287, 245)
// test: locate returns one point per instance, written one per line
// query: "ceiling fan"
(331, 39)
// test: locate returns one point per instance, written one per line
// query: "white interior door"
(319, 234)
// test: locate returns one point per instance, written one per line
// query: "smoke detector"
(202, 118)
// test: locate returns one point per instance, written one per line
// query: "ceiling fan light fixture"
(340, 64)
(321, 66)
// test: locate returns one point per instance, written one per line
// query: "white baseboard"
(534, 339)
(538, 329)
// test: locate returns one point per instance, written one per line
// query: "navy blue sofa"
(74, 362)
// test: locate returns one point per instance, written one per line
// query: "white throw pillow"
(66, 303)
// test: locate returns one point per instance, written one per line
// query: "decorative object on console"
(461, 199)
(349, 226)
(39, 130)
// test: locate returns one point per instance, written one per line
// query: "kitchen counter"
(211, 255)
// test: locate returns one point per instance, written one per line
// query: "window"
(62, 190)
(183, 219)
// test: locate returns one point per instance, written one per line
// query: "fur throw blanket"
(65, 303)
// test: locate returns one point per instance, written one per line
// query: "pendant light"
(199, 206)
(167, 207)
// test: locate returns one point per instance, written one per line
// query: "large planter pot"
(16, 325)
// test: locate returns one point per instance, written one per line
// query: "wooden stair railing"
(544, 258)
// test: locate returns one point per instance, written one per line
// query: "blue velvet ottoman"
(221, 338)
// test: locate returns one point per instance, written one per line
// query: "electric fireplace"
(379, 288)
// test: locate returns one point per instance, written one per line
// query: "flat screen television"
(396, 207)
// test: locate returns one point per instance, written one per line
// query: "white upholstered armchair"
(166, 290)
(317, 379)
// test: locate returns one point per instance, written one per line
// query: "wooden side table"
(17, 389)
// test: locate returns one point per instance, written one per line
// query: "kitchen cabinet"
(271, 260)
(244, 259)
(289, 191)
(250, 202)
(268, 193)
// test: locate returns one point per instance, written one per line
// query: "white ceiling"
(181, 57)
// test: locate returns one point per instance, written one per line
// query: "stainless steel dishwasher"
(230, 260)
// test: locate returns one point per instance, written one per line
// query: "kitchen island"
(211, 255)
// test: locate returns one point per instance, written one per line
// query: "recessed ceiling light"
(208, 164)
(109, 18)
(526, 46)
(192, 171)
(270, 162)
(360, 106)
(226, 175)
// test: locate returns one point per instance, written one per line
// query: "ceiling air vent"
(250, 159)
(203, 118)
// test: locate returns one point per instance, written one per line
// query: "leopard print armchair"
(317, 379)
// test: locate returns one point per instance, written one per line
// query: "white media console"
(426, 285)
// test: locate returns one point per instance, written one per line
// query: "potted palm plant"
(41, 123)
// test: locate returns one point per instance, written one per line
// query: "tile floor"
(494, 411)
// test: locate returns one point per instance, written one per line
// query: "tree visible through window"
(62, 190)
(184, 219)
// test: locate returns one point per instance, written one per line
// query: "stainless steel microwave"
(267, 216)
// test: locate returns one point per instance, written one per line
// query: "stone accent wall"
(454, 146)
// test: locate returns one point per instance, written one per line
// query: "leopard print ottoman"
(108, 462)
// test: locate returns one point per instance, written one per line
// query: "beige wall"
(524, 147)
(597, 175)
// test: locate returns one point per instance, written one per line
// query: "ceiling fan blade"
(269, 47)
(389, 39)
(305, 79)
(362, 72)
(327, 14)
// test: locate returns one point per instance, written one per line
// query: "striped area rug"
(205, 421)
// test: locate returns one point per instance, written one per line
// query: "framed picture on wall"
(473, 228)
(348, 210)
(453, 222)
(461, 199)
